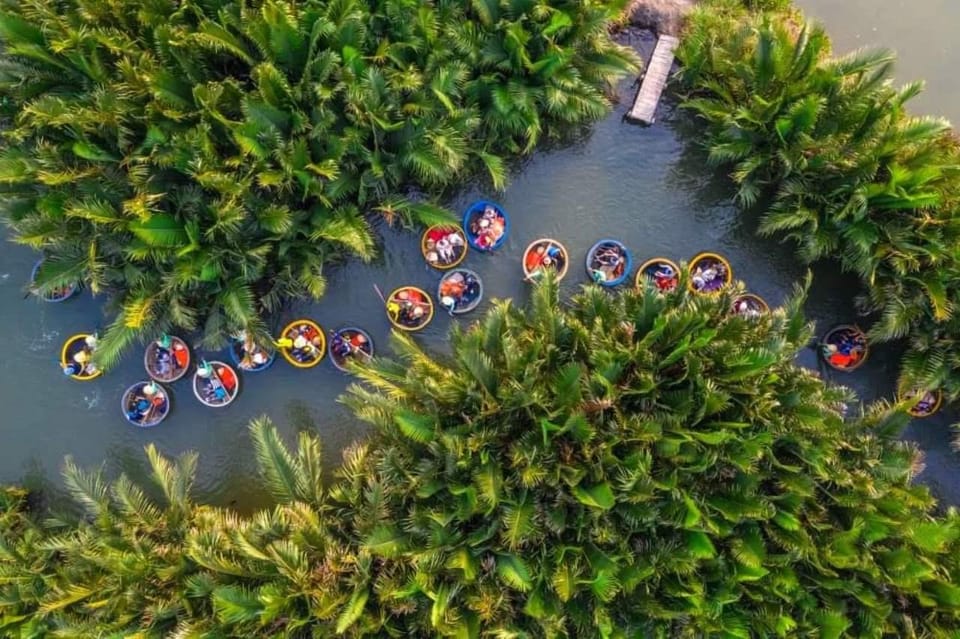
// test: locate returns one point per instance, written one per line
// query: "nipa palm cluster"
(201, 162)
(632, 465)
(826, 146)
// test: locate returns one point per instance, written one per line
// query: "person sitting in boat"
(664, 277)
(609, 256)
(444, 251)
(473, 289)
(747, 309)
(453, 286)
(705, 277)
(926, 403)
(410, 314)
(303, 349)
(342, 348)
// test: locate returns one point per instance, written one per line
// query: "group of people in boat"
(146, 404)
(347, 344)
(845, 347)
(304, 342)
(544, 255)
(167, 358)
(709, 274)
(664, 275)
(487, 227)
(460, 290)
(79, 357)
(254, 356)
(215, 383)
(409, 307)
(444, 246)
(749, 306)
(608, 262)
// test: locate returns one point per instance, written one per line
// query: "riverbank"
(661, 16)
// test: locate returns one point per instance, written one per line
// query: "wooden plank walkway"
(645, 106)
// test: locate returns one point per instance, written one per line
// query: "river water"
(641, 185)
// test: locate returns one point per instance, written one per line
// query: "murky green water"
(922, 32)
(636, 184)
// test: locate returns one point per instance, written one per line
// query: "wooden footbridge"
(658, 71)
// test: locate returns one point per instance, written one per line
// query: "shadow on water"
(640, 185)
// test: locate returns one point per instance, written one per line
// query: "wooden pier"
(645, 106)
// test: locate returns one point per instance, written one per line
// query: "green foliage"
(202, 162)
(578, 488)
(848, 173)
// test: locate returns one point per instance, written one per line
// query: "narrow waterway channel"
(641, 185)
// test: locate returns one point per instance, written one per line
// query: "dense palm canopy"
(848, 173)
(628, 465)
(206, 160)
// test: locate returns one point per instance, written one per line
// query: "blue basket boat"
(60, 294)
(254, 360)
(350, 343)
(609, 263)
(486, 225)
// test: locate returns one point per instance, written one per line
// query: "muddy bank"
(662, 16)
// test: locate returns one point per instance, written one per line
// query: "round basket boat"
(486, 225)
(409, 308)
(251, 357)
(460, 291)
(167, 359)
(662, 273)
(219, 387)
(749, 306)
(75, 357)
(844, 348)
(302, 343)
(542, 254)
(59, 294)
(350, 344)
(926, 405)
(443, 246)
(145, 404)
(709, 274)
(609, 263)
